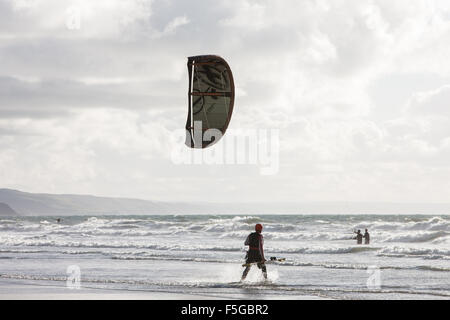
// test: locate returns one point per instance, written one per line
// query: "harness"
(254, 241)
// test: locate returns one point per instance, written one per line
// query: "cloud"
(358, 92)
(98, 19)
(433, 102)
(83, 150)
(174, 24)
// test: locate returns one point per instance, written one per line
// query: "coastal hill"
(16, 202)
(6, 210)
(25, 203)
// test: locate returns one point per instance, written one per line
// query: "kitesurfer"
(255, 253)
(366, 237)
(358, 237)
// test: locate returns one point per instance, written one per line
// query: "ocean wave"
(188, 247)
(415, 252)
(433, 229)
(430, 224)
(417, 237)
(324, 250)
(433, 268)
(171, 258)
(239, 219)
(117, 244)
(319, 236)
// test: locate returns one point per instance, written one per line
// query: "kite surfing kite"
(211, 100)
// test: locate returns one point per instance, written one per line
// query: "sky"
(353, 95)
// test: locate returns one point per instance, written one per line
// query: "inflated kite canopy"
(211, 100)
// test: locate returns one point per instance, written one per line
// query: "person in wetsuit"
(366, 237)
(255, 253)
(358, 237)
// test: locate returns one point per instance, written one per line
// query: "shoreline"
(26, 290)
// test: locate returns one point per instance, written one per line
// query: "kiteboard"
(272, 259)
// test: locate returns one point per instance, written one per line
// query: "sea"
(408, 256)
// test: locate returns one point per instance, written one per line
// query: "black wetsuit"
(366, 238)
(255, 253)
(358, 238)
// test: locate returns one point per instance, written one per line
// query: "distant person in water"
(358, 237)
(366, 237)
(58, 220)
(255, 253)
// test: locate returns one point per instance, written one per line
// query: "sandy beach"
(26, 290)
(20, 290)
